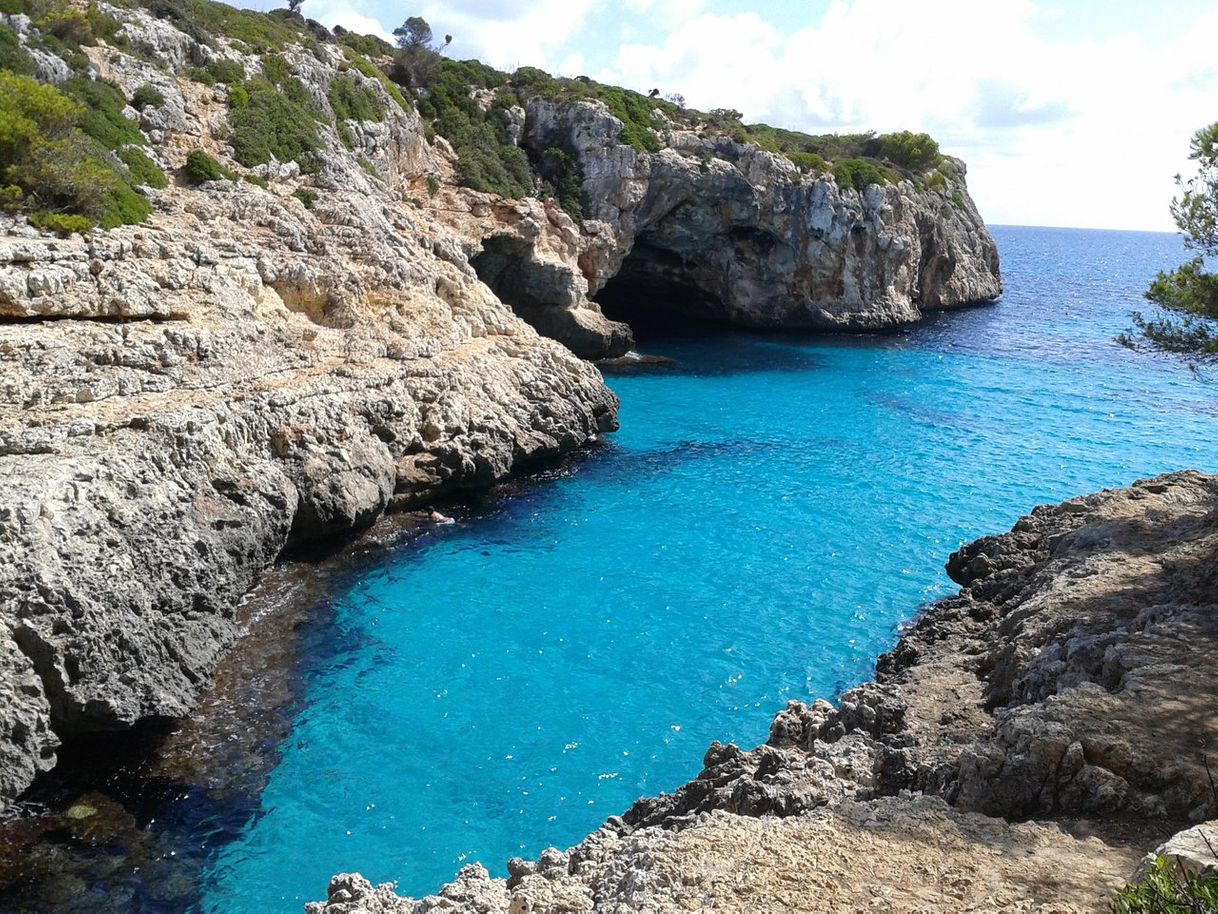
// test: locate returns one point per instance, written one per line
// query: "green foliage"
(353, 102)
(374, 72)
(367, 45)
(147, 96)
(859, 174)
(1168, 890)
(911, 151)
(12, 56)
(305, 195)
(486, 160)
(272, 121)
(12, 198)
(201, 168)
(565, 176)
(61, 223)
(203, 19)
(808, 162)
(142, 170)
(433, 185)
(256, 180)
(229, 72)
(59, 147)
(1188, 289)
(417, 57)
(1188, 294)
(103, 112)
(276, 69)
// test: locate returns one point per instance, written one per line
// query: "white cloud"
(1083, 132)
(507, 34)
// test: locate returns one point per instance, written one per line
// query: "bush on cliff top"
(486, 159)
(272, 120)
(68, 149)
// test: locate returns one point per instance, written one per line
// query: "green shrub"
(202, 19)
(565, 176)
(353, 102)
(13, 56)
(229, 72)
(141, 168)
(808, 162)
(147, 96)
(374, 72)
(272, 121)
(201, 168)
(486, 159)
(1168, 890)
(103, 112)
(859, 174)
(275, 67)
(257, 181)
(63, 223)
(59, 147)
(305, 195)
(433, 185)
(911, 151)
(12, 198)
(368, 45)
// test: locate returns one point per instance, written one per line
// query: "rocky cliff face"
(183, 399)
(723, 230)
(1071, 682)
(276, 357)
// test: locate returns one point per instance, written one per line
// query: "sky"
(1067, 112)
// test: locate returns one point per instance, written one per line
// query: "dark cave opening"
(656, 294)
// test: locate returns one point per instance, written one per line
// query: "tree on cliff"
(418, 55)
(1189, 294)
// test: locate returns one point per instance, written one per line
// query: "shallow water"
(771, 512)
(773, 509)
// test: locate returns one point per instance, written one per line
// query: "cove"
(772, 510)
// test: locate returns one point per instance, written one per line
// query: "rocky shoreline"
(277, 356)
(1022, 748)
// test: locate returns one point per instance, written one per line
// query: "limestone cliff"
(720, 229)
(284, 349)
(1070, 682)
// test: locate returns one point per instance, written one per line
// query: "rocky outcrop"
(1071, 681)
(272, 360)
(722, 230)
(182, 400)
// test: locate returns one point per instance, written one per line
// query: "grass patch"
(306, 195)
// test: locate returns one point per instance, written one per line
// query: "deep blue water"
(768, 516)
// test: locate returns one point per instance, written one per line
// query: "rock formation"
(1071, 681)
(277, 356)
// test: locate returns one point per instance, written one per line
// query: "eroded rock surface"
(1071, 682)
(721, 230)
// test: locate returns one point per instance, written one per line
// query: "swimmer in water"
(437, 518)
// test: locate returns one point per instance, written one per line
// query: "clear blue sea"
(771, 512)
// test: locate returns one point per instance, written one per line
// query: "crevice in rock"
(17, 319)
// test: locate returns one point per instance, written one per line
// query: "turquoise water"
(770, 513)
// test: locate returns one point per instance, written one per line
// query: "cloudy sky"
(1068, 112)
